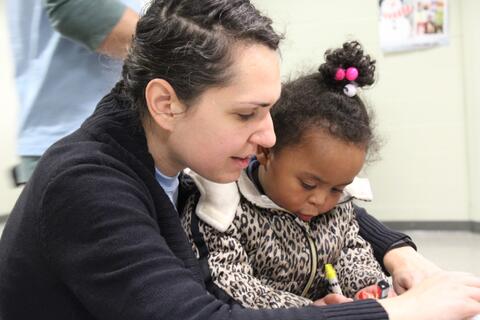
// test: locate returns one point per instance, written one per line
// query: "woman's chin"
(222, 177)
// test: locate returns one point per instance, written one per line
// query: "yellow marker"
(331, 276)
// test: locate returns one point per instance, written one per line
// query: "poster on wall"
(412, 24)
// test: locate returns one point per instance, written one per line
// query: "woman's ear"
(162, 103)
(264, 155)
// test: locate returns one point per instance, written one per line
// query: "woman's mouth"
(242, 162)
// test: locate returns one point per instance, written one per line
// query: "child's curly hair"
(317, 100)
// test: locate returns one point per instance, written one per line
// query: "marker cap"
(330, 272)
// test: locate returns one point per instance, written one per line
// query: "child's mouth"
(304, 217)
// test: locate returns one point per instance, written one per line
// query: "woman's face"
(222, 129)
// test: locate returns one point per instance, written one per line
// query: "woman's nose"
(265, 135)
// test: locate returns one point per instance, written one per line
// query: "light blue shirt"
(169, 185)
(59, 81)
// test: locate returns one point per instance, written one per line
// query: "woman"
(95, 233)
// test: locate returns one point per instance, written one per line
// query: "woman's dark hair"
(318, 101)
(188, 43)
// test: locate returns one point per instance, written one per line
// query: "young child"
(268, 237)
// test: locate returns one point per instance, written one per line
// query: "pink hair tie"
(340, 74)
(351, 74)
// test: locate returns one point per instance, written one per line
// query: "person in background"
(67, 56)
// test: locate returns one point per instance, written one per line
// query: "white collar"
(359, 189)
(218, 202)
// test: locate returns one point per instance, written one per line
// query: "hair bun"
(349, 55)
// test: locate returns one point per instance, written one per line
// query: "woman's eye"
(307, 186)
(246, 116)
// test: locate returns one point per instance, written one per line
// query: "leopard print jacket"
(266, 257)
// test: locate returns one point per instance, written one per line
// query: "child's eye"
(336, 190)
(307, 186)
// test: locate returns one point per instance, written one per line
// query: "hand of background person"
(408, 268)
(332, 298)
(118, 41)
(442, 296)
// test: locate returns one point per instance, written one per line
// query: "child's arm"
(356, 266)
(231, 271)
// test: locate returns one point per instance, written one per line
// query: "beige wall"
(423, 100)
(471, 66)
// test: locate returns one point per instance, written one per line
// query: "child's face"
(308, 178)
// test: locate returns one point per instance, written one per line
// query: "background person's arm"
(105, 26)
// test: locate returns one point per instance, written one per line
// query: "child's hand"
(332, 298)
(371, 292)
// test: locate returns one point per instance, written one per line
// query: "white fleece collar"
(251, 193)
(218, 202)
(359, 189)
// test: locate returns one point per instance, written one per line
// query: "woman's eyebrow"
(257, 103)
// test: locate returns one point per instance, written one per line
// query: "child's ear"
(162, 103)
(264, 155)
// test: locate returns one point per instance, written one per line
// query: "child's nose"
(318, 199)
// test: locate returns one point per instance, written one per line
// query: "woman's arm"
(101, 238)
(103, 241)
(408, 268)
(380, 236)
(443, 296)
(396, 252)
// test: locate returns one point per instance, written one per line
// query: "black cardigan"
(93, 236)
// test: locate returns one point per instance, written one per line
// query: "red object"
(362, 295)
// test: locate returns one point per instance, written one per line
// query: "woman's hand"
(408, 268)
(332, 298)
(443, 296)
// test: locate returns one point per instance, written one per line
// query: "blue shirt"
(59, 81)
(169, 185)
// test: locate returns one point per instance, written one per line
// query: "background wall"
(471, 67)
(419, 102)
(425, 102)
